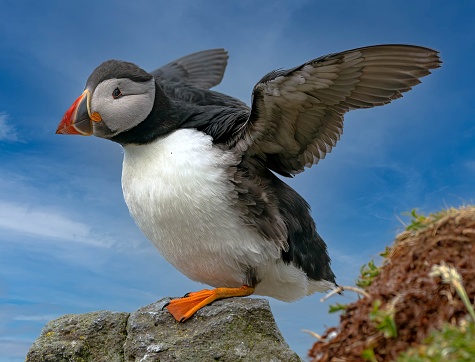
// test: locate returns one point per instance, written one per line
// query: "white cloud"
(46, 223)
(7, 131)
(35, 318)
(39, 222)
(470, 166)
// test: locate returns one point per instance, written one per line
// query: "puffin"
(203, 172)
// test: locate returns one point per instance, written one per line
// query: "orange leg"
(184, 308)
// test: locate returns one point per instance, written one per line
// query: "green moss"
(334, 308)
(384, 319)
(367, 273)
(369, 355)
(419, 222)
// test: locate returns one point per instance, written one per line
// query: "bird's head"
(118, 96)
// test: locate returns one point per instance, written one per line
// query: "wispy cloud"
(48, 223)
(39, 206)
(470, 166)
(7, 131)
(39, 222)
(35, 318)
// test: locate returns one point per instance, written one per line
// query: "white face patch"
(126, 111)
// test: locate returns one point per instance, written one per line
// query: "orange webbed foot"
(183, 308)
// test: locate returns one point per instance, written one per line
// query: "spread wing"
(204, 69)
(297, 114)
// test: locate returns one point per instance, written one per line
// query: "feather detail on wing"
(204, 69)
(297, 114)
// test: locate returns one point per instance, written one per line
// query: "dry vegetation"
(409, 309)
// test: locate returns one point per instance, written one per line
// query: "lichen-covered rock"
(229, 330)
(96, 336)
(235, 329)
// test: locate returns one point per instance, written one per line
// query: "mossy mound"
(405, 303)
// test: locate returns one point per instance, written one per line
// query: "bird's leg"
(184, 308)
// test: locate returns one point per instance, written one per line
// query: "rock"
(96, 336)
(228, 330)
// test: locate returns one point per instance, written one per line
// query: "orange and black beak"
(78, 118)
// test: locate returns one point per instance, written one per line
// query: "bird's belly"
(179, 191)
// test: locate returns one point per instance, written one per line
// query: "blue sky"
(67, 243)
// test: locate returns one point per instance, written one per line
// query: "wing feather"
(204, 69)
(297, 114)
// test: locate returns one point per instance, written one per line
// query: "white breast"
(178, 190)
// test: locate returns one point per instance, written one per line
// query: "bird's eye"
(116, 93)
